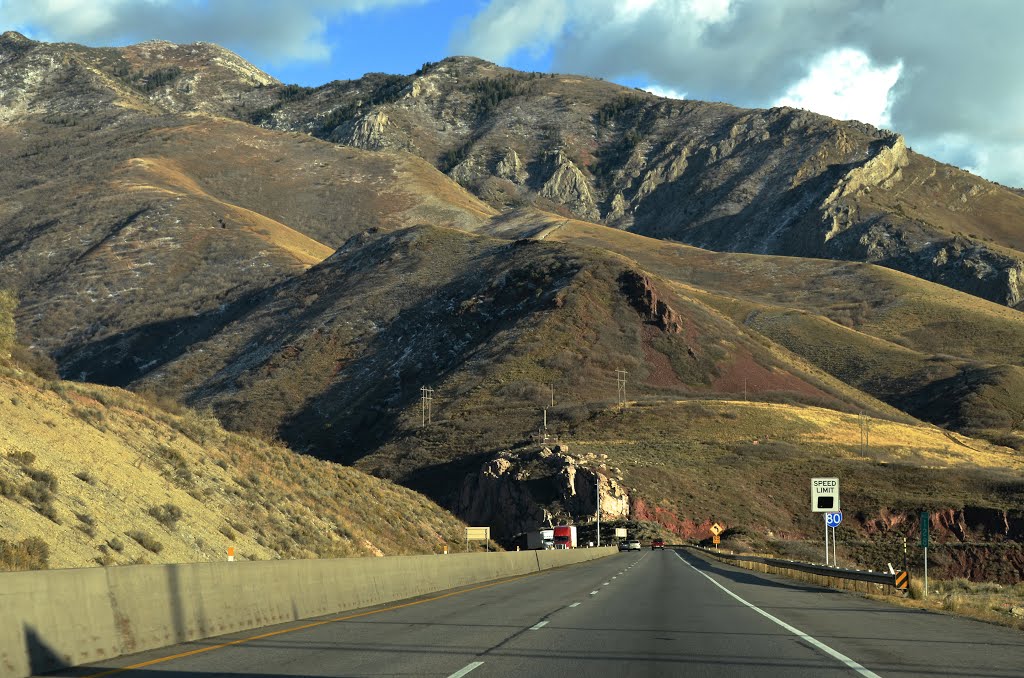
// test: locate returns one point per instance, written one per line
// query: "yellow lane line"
(261, 636)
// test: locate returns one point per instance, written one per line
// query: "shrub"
(43, 478)
(116, 544)
(227, 532)
(39, 363)
(145, 540)
(37, 493)
(7, 488)
(167, 515)
(28, 554)
(88, 530)
(86, 477)
(22, 458)
(49, 512)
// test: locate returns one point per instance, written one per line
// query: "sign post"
(826, 540)
(825, 499)
(925, 521)
(716, 530)
(832, 520)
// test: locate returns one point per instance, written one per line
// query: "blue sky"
(945, 73)
(388, 40)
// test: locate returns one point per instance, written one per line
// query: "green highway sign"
(925, 519)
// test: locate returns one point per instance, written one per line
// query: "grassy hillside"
(748, 464)
(940, 355)
(91, 475)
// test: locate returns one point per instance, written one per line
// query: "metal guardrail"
(884, 578)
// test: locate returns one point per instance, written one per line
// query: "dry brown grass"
(160, 486)
(985, 601)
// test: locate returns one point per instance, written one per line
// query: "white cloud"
(276, 31)
(666, 92)
(504, 28)
(959, 75)
(844, 84)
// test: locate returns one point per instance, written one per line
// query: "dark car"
(658, 544)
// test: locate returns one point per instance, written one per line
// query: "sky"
(947, 74)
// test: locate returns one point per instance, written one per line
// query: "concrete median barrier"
(57, 618)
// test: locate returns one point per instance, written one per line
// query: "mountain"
(777, 181)
(304, 263)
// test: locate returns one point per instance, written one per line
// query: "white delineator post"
(598, 508)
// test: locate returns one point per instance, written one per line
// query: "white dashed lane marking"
(466, 669)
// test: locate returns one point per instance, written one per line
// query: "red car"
(658, 544)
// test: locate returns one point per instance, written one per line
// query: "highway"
(660, 613)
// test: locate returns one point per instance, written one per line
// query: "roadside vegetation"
(91, 475)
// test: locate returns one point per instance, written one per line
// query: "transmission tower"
(620, 380)
(426, 400)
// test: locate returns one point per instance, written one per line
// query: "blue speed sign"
(833, 519)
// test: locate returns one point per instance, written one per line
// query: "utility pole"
(620, 381)
(744, 389)
(426, 400)
(552, 395)
(598, 508)
(865, 432)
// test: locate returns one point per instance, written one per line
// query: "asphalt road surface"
(653, 613)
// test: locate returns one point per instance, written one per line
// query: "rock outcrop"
(516, 491)
(569, 186)
(369, 131)
(510, 167)
(644, 297)
(882, 170)
(967, 524)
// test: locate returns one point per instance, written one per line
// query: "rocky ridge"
(776, 181)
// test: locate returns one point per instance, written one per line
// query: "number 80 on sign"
(833, 519)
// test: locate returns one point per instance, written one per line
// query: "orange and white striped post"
(231, 554)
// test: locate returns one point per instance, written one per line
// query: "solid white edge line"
(593, 593)
(539, 625)
(867, 673)
(466, 669)
(575, 605)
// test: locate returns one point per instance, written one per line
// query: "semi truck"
(565, 536)
(540, 539)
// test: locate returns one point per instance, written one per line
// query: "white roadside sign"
(824, 495)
